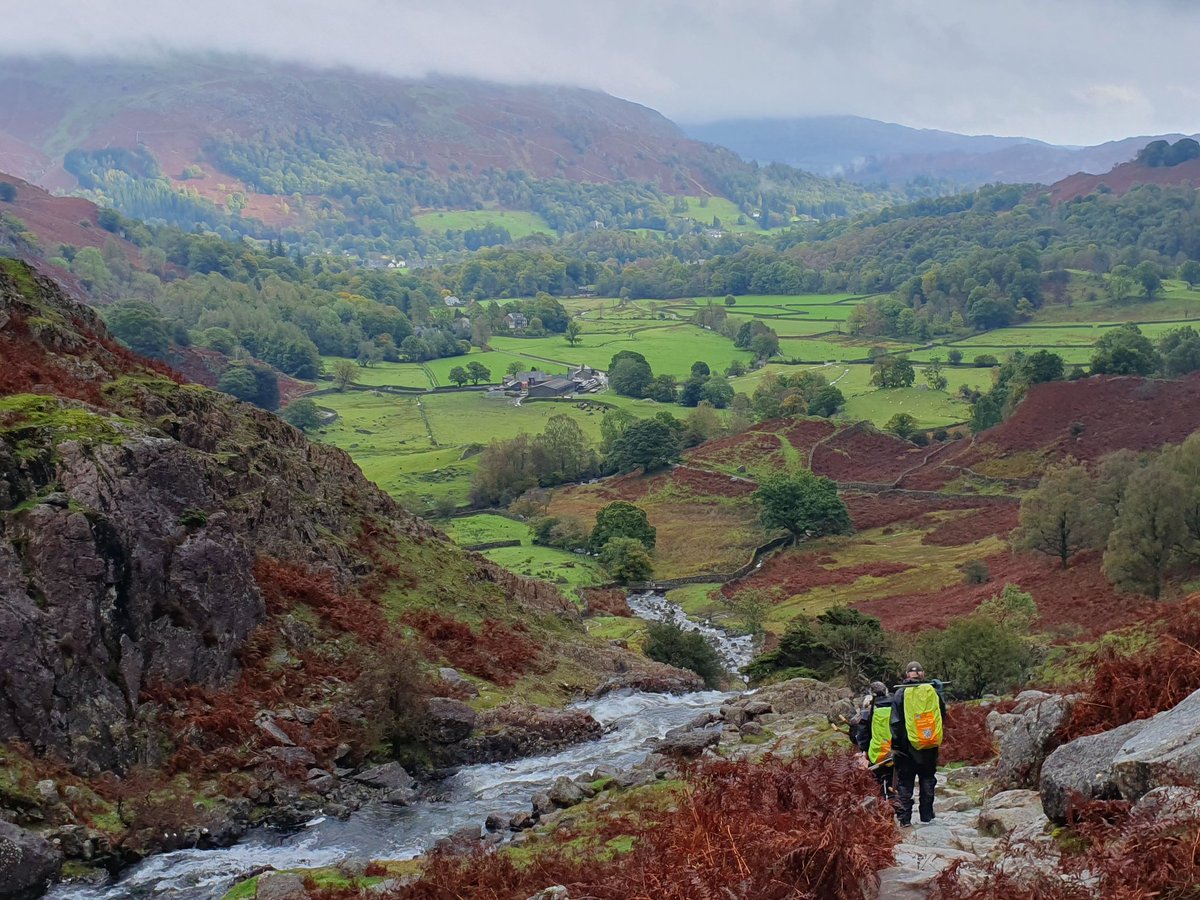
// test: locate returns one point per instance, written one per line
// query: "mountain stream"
(632, 720)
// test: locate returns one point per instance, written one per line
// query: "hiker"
(860, 725)
(918, 714)
(879, 738)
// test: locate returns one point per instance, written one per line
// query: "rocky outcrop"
(1082, 768)
(516, 729)
(1164, 751)
(1025, 735)
(1126, 762)
(27, 862)
(796, 697)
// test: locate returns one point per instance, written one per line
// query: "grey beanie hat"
(913, 666)
(878, 688)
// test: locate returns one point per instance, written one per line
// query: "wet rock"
(542, 804)
(1026, 739)
(450, 720)
(1165, 751)
(494, 822)
(1083, 767)
(517, 730)
(678, 742)
(565, 792)
(389, 776)
(280, 886)
(655, 678)
(521, 821)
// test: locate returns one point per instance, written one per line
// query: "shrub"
(989, 651)
(975, 571)
(670, 644)
(839, 643)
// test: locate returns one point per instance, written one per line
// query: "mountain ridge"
(869, 150)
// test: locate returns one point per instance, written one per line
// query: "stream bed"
(632, 720)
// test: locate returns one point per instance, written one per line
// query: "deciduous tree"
(804, 504)
(625, 560)
(625, 520)
(1060, 517)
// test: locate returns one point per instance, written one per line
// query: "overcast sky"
(1067, 71)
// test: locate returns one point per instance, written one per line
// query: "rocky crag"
(205, 619)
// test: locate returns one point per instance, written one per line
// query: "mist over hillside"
(869, 151)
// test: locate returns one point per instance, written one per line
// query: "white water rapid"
(632, 720)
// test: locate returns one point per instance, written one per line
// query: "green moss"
(243, 890)
(22, 275)
(27, 420)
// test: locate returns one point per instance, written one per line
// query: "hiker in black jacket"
(913, 764)
(878, 745)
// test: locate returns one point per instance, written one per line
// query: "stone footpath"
(965, 829)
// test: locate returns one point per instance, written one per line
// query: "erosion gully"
(632, 720)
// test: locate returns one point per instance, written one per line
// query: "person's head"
(878, 688)
(914, 671)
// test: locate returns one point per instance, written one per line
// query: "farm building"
(558, 386)
(523, 381)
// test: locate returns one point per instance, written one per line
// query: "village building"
(516, 321)
(558, 386)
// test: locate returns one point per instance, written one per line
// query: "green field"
(670, 349)
(436, 372)
(518, 223)
(419, 445)
(484, 528)
(570, 571)
(930, 408)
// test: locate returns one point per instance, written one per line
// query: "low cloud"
(1072, 71)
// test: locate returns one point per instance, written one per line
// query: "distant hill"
(1125, 176)
(261, 147)
(870, 151)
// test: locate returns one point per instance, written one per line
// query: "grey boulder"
(28, 861)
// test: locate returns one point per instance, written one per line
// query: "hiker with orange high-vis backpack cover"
(918, 722)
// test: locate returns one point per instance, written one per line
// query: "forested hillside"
(340, 159)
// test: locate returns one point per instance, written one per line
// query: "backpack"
(881, 735)
(923, 716)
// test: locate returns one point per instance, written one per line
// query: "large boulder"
(1025, 737)
(1083, 767)
(682, 742)
(27, 861)
(450, 720)
(516, 730)
(1164, 751)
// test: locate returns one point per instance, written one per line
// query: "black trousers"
(922, 770)
(883, 775)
